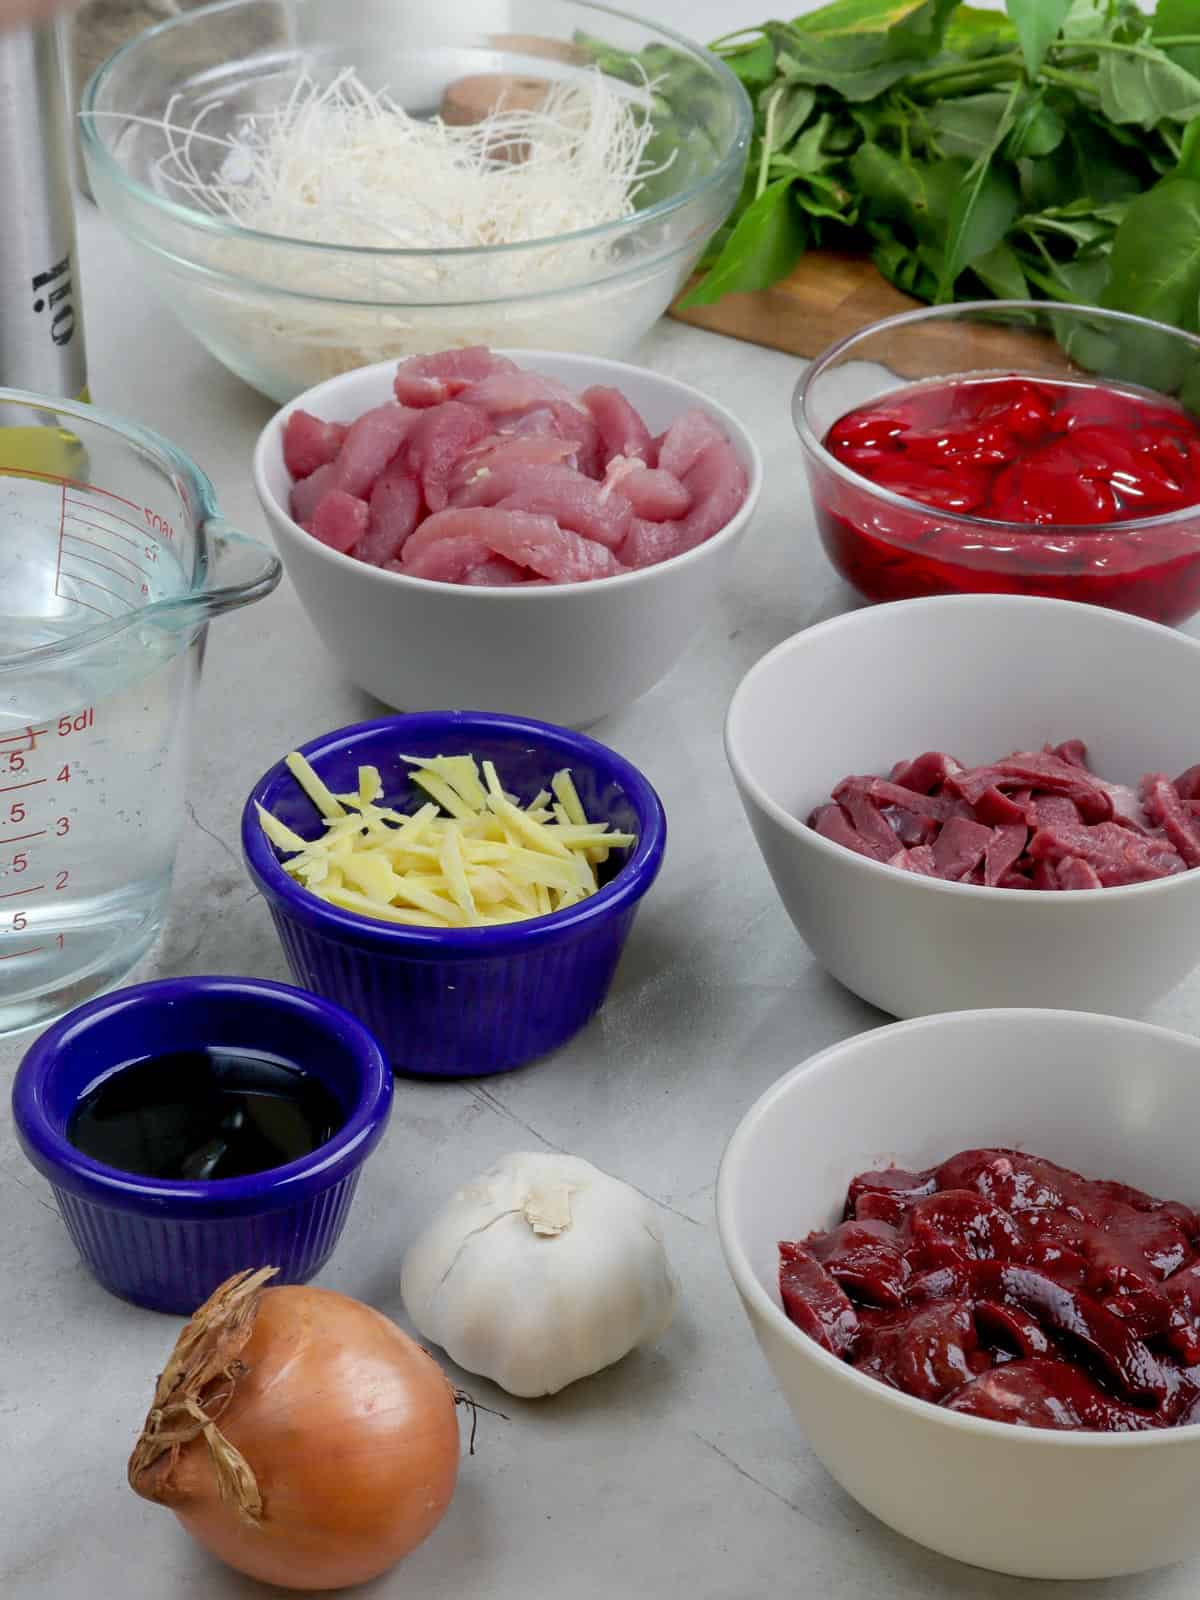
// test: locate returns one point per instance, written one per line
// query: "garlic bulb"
(541, 1271)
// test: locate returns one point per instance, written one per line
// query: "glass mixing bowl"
(891, 547)
(284, 313)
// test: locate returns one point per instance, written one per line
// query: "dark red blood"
(1049, 456)
(1010, 1287)
(814, 1302)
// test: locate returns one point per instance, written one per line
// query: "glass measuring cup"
(113, 558)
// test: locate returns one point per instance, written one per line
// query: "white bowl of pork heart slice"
(981, 800)
(508, 531)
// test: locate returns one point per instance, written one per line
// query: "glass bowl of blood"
(1010, 447)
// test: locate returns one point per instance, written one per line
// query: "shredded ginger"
(346, 165)
(471, 856)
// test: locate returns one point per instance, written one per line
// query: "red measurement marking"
(62, 517)
(76, 483)
(112, 533)
(122, 599)
(15, 838)
(32, 783)
(77, 555)
(138, 527)
(17, 954)
(76, 601)
(15, 894)
(28, 733)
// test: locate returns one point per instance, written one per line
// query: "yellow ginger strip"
(348, 900)
(326, 803)
(535, 834)
(280, 835)
(454, 872)
(568, 796)
(460, 772)
(445, 796)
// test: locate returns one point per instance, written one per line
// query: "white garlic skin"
(536, 1310)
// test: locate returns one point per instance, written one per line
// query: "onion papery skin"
(350, 1430)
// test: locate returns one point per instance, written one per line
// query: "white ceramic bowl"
(977, 676)
(1108, 1097)
(570, 653)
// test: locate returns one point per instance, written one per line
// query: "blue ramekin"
(167, 1245)
(461, 1002)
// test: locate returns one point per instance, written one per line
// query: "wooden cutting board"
(831, 295)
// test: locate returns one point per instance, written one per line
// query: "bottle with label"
(41, 317)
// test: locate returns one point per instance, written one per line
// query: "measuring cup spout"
(240, 569)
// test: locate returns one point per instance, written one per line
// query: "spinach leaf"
(1178, 18)
(966, 125)
(1000, 271)
(984, 208)
(906, 267)
(983, 211)
(754, 63)
(851, 78)
(978, 33)
(763, 247)
(1037, 23)
(1146, 89)
(880, 28)
(1156, 255)
(796, 103)
(1188, 165)
(1078, 282)
(1037, 129)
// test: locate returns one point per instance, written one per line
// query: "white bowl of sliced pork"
(981, 800)
(525, 531)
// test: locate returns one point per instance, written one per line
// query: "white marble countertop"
(678, 1472)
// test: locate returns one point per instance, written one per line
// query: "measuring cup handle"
(240, 569)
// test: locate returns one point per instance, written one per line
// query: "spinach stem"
(1085, 45)
(768, 143)
(738, 33)
(1069, 80)
(982, 71)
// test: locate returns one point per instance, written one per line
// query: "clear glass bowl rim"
(986, 525)
(97, 150)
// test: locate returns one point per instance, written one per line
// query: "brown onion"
(299, 1435)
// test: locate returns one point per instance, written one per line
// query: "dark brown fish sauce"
(204, 1115)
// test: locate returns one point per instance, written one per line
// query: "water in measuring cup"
(92, 751)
